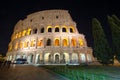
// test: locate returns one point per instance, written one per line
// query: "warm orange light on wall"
(20, 33)
(21, 45)
(73, 42)
(24, 32)
(26, 43)
(65, 28)
(32, 44)
(72, 29)
(57, 26)
(65, 42)
(10, 47)
(48, 28)
(16, 35)
(56, 42)
(13, 37)
(40, 42)
(29, 31)
(16, 46)
(81, 43)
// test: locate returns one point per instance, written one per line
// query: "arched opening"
(33, 43)
(20, 34)
(18, 56)
(81, 43)
(66, 58)
(46, 58)
(82, 58)
(89, 58)
(65, 42)
(56, 58)
(29, 31)
(40, 42)
(21, 45)
(74, 58)
(10, 57)
(56, 29)
(34, 31)
(16, 35)
(42, 30)
(64, 29)
(48, 42)
(30, 58)
(71, 30)
(37, 59)
(73, 42)
(24, 56)
(16, 46)
(56, 42)
(26, 43)
(49, 29)
(24, 33)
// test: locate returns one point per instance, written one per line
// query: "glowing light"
(56, 43)
(82, 57)
(57, 28)
(24, 32)
(32, 43)
(73, 42)
(21, 45)
(65, 42)
(26, 43)
(29, 31)
(19, 34)
(40, 42)
(10, 47)
(49, 28)
(72, 30)
(16, 46)
(81, 43)
(64, 29)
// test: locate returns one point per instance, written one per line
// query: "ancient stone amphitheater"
(49, 37)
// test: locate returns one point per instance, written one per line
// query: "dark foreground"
(27, 72)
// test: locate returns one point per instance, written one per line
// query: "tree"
(116, 20)
(102, 51)
(115, 29)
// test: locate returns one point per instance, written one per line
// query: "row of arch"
(40, 43)
(42, 30)
(55, 58)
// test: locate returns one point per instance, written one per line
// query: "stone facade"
(49, 37)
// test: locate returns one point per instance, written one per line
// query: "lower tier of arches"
(52, 57)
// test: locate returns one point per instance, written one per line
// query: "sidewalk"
(28, 72)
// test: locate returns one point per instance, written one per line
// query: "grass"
(91, 72)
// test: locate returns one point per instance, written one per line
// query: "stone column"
(78, 57)
(70, 57)
(34, 57)
(52, 57)
(43, 61)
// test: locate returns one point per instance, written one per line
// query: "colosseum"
(49, 37)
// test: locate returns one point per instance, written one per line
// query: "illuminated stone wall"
(49, 37)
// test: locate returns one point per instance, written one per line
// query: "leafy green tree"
(115, 29)
(116, 20)
(102, 51)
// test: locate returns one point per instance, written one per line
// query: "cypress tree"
(115, 29)
(102, 51)
(116, 20)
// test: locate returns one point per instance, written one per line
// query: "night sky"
(82, 12)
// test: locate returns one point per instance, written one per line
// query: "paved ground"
(27, 72)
